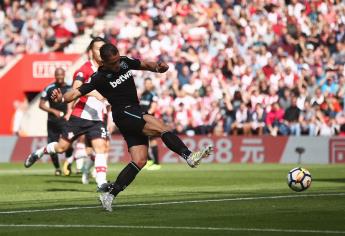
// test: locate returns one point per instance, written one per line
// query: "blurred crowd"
(236, 67)
(241, 67)
(43, 26)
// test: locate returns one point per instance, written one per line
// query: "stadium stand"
(260, 67)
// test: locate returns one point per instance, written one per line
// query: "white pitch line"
(177, 228)
(179, 202)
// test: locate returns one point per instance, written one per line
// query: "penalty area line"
(178, 202)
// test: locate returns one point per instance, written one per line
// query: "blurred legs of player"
(145, 126)
(79, 156)
(153, 155)
(89, 162)
(55, 129)
(63, 145)
(95, 131)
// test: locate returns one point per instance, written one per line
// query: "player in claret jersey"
(86, 118)
(57, 114)
(115, 82)
(148, 103)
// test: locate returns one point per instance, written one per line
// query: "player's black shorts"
(77, 126)
(131, 123)
(55, 128)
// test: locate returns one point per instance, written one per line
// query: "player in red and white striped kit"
(87, 108)
(86, 118)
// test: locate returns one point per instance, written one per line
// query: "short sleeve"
(133, 64)
(89, 85)
(44, 94)
(154, 97)
(79, 75)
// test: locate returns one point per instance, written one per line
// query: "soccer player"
(57, 114)
(114, 80)
(88, 108)
(86, 118)
(148, 103)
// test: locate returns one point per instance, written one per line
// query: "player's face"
(59, 76)
(95, 51)
(112, 63)
(148, 85)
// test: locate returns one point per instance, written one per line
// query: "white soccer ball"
(299, 179)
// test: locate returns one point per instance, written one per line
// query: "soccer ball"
(299, 179)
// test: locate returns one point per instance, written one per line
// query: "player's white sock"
(79, 163)
(88, 163)
(80, 154)
(80, 150)
(70, 159)
(101, 168)
(49, 149)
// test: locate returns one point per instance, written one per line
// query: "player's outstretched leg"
(174, 143)
(51, 148)
(195, 158)
(155, 127)
(33, 157)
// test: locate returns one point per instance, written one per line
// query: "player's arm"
(154, 105)
(73, 94)
(79, 82)
(43, 106)
(159, 67)
(69, 111)
(153, 108)
(135, 64)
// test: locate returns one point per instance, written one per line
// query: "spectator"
(291, 117)
(257, 53)
(274, 121)
(257, 120)
(307, 120)
(41, 26)
(242, 121)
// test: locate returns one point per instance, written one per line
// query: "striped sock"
(49, 149)
(101, 168)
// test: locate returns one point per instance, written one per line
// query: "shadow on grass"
(53, 176)
(334, 180)
(65, 181)
(68, 190)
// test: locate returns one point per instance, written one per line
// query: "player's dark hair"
(146, 79)
(93, 41)
(108, 50)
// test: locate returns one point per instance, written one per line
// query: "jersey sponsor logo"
(121, 79)
(123, 65)
(70, 135)
(144, 102)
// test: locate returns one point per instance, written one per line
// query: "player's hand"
(56, 95)
(67, 116)
(57, 113)
(162, 67)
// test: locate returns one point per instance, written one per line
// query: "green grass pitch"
(214, 199)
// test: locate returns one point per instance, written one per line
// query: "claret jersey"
(117, 87)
